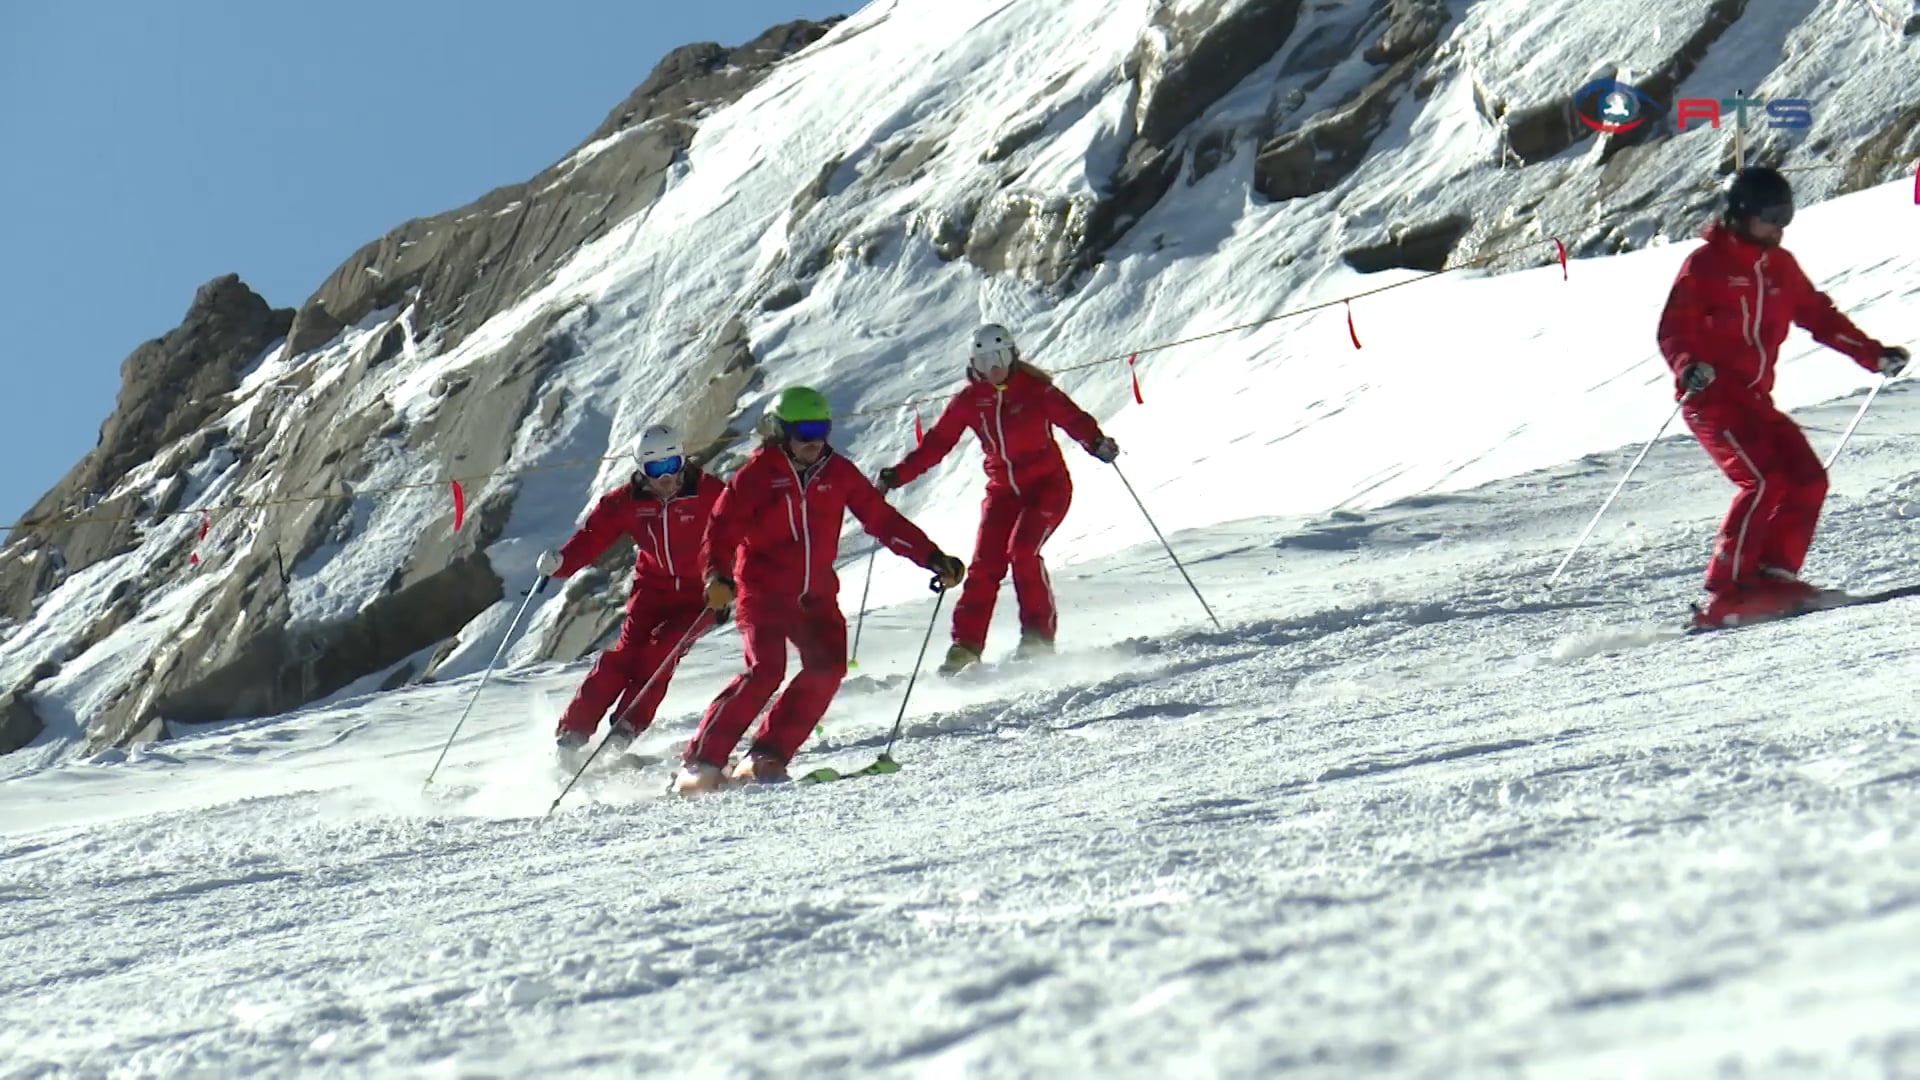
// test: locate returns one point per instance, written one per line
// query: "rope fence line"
(348, 490)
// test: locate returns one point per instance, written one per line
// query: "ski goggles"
(1779, 215)
(807, 430)
(662, 467)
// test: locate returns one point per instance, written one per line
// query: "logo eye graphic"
(1610, 106)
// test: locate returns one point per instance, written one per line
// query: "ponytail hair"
(1032, 372)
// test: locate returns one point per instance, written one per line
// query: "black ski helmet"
(1758, 192)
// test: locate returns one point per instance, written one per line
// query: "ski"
(1832, 603)
(882, 766)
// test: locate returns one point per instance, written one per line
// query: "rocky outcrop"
(283, 668)
(1185, 62)
(1421, 247)
(1900, 16)
(1326, 148)
(169, 387)
(1895, 145)
(1329, 147)
(464, 266)
(19, 724)
(1543, 124)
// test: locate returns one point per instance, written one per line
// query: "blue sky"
(151, 145)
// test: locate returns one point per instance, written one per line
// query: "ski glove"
(719, 593)
(1105, 449)
(1695, 377)
(548, 564)
(1893, 360)
(889, 479)
(950, 570)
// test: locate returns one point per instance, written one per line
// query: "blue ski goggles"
(663, 467)
(807, 430)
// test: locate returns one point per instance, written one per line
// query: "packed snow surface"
(1408, 812)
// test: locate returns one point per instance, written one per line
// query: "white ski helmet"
(658, 443)
(993, 347)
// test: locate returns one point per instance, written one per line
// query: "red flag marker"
(1351, 333)
(1137, 399)
(919, 433)
(1916, 183)
(1561, 249)
(206, 524)
(459, 505)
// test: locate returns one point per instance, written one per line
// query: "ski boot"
(1768, 596)
(620, 737)
(959, 658)
(570, 751)
(1033, 645)
(759, 768)
(697, 778)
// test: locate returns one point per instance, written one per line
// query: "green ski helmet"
(797, 403)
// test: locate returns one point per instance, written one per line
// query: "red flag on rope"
(919, 433)
(1137, 399)
(459, 505)
(1561, 249)
(206, 523)
(1351, 333)
(1916, 183)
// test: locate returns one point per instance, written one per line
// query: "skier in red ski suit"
(665, 508)
(1731, 306)
(1013, 408)
(773, 538)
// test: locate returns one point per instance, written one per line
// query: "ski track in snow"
(1408, 812)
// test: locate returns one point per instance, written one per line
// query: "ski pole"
(1857, 417)
(507, 639)
(1164, 544)
(1642, 456)
(886, 754)
(884, 763)
(686, 641)
(860, 620)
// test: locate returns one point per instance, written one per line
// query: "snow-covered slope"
(1409, 813)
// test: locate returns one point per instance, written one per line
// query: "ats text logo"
(1612, 107)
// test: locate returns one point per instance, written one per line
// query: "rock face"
(169, 388)
(19, 724)
(249, 654)
(285, 668)
(467, 265)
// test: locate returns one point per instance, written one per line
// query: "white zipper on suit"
(664, 541)
(1000, 427)
(805, 530)
(1759, 307)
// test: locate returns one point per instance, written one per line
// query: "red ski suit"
(1731, 307)
(668, 593)
(1028, 492)
(774, 535)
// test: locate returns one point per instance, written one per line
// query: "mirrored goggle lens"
(664, 467)
(809, 430)
(1780, 215)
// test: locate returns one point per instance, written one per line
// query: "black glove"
(949, 571)
(1893, 360)
(1695, 377)
(889, 479)
(1105, 449)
